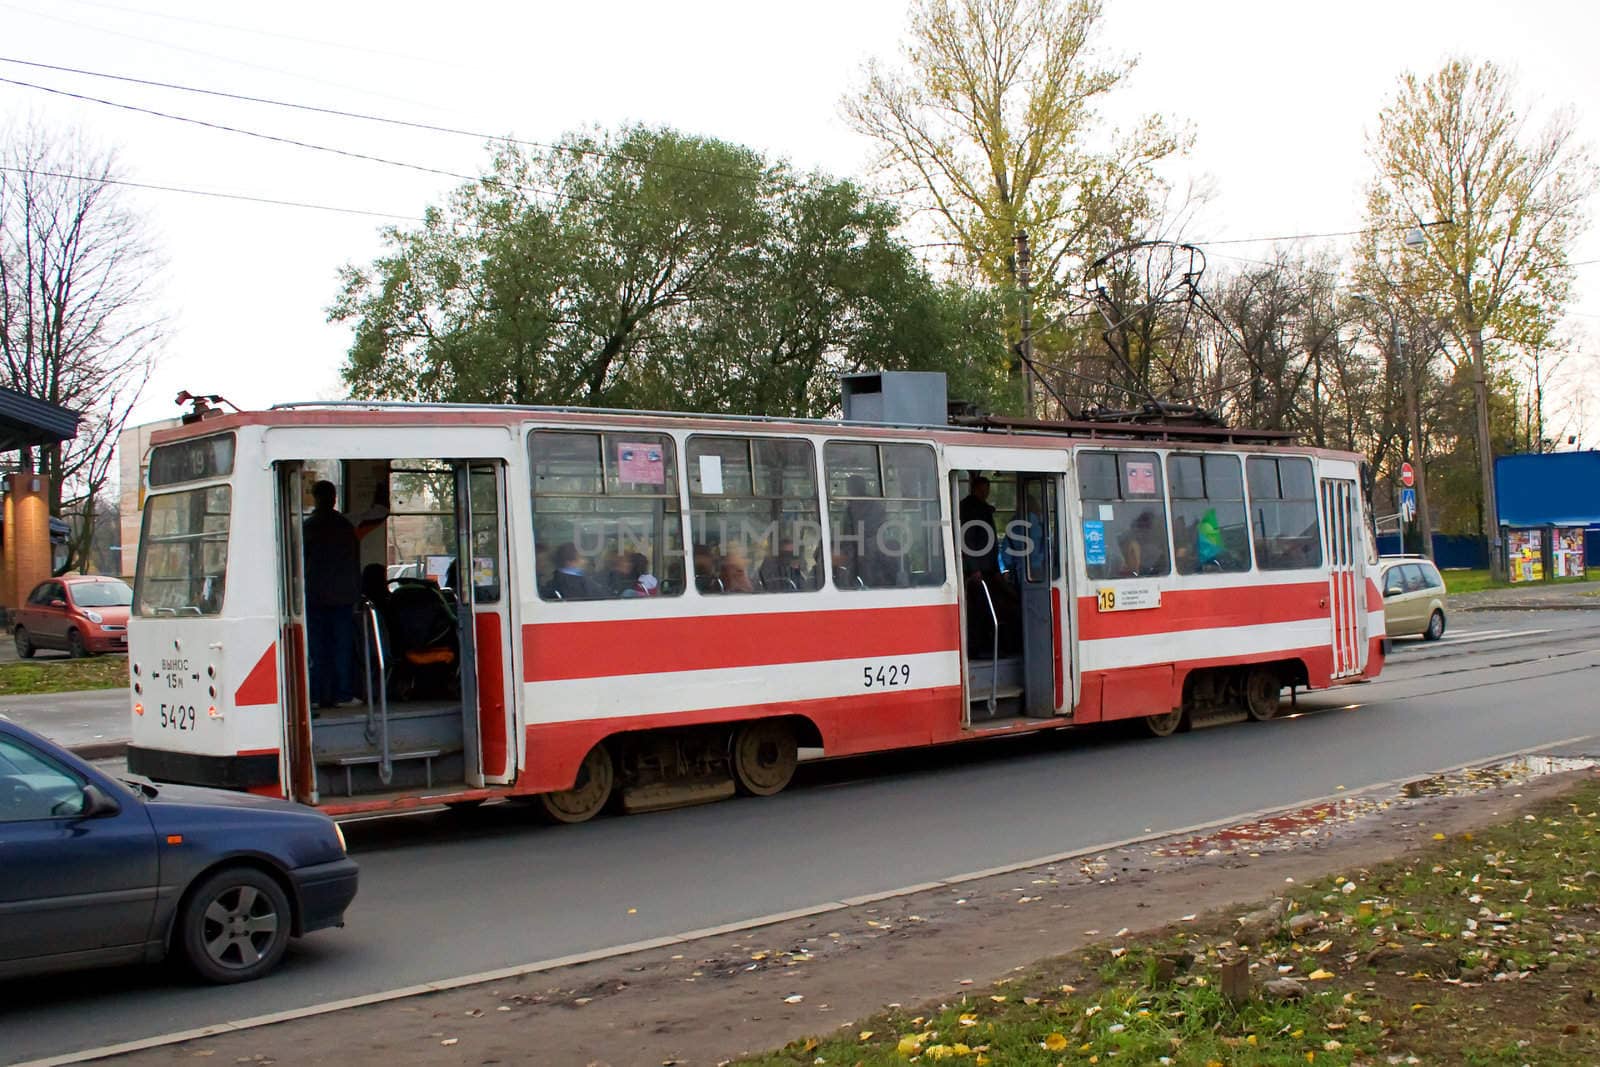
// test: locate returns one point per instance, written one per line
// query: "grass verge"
(1484, 950)
(1476, 581)
(64, 675)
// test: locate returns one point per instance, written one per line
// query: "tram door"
(1347, 607)
(1011, 599)
(414, 695)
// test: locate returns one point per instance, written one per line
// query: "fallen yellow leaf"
(909, 1045)
(866, 1035)
(998, 999)
(1055, 1041)
(1320, 975)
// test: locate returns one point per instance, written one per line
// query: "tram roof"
(959, 430)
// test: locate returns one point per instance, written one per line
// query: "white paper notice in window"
(711, 475)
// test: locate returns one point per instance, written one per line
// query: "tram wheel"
(764, 756)
(1263, 693)
(588, 795)
(1164, 725)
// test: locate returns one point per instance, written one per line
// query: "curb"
(1593, 606)
(94, 750)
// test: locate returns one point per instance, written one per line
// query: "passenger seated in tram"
(705, 570)
(375, 585)
(867, 565)
(734, 572)
(636, 570)
(781, 571)
(571, 581)
(1143, 547)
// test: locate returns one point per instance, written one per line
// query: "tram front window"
(183, 553)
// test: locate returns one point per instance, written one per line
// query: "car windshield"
(108, 594)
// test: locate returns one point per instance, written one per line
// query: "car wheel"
(1435, 628)
(235, 925)
(25, 649)
(75, 646)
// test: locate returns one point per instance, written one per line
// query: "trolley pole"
(1024, 260)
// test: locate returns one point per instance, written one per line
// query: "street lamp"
(1413, 421)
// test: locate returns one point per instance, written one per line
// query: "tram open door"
(1011, 592)
(423, 701)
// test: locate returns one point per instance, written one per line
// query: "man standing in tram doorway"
(333, 585)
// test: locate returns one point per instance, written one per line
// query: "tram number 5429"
(177, 716)
(886, 676)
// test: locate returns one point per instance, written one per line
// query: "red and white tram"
(575, 606)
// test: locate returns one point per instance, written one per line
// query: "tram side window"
(1124, 515)
(1283, 512)
(606, 518)
(1210, 532)
(754, 517)
(183, 553)
(883, 505)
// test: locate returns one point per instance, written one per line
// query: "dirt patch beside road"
(708, 1001)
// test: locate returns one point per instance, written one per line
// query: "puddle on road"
(1476, 779)
(1280, 831)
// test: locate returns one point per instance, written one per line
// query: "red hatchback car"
(81, 615)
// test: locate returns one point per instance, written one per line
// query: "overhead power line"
(331, 150)
(210, 55)
(411, 124)
(212, 193)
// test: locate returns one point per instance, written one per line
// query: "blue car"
(94, 871)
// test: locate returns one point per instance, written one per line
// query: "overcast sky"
(1280, 97)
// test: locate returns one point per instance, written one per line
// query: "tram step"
(1007, 705)
(661, 795)
(348, 762)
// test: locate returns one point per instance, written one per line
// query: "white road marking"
(1490, 635)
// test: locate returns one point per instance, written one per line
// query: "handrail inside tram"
(374, 643)
(994, 662)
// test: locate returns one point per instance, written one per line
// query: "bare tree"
(76, 323)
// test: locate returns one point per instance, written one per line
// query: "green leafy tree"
(1497, 204)
(651, 269)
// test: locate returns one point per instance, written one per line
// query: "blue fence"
(1449, 550)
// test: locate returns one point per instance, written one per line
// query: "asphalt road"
(442, 896)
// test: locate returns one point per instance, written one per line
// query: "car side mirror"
(97, 803)
(58, 603)
(1392, 591)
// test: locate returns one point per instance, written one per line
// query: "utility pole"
(1414, 419)
(1408, 382)
(1024, 259)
